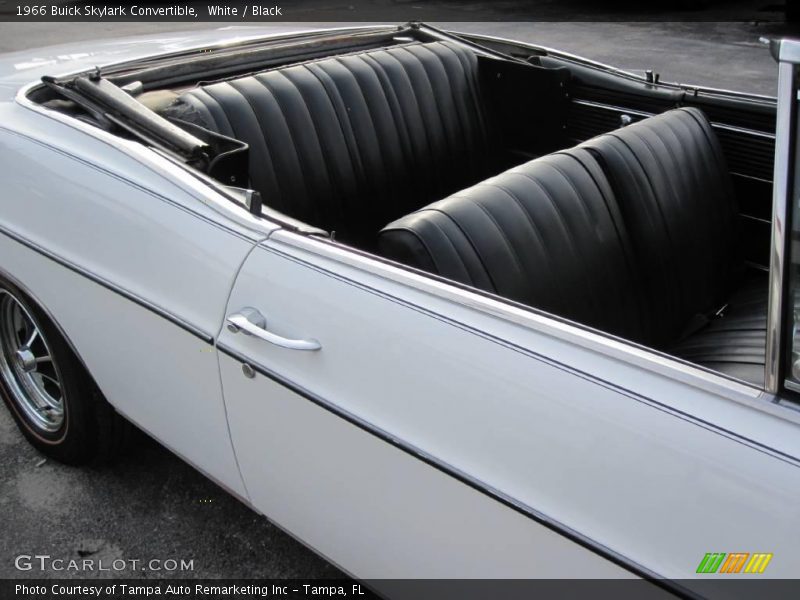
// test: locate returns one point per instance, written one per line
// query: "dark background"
(498, 10)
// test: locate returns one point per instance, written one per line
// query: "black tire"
(90, 431)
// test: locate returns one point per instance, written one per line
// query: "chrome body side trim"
(646, 358)
(459, 475)
(111, 286)
(598, 380)
(780, 192)
(612, 108)
(645, 114)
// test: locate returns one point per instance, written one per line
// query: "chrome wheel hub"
(27, 367)
(26, 359)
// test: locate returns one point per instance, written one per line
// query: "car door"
(134, 259)
(407, 427)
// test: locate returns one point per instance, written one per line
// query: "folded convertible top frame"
(118, 107)
(224, 159)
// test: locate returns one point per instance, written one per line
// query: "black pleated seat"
(633, 233)
(351, 142)
(546, 234)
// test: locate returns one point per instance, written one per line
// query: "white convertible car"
(441, 306)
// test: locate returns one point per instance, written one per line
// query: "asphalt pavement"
(726, 55)
(151, 505)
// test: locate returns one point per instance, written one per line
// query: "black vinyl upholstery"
(734, 344)
(546, 234)
(673, 188)
(351, 142)
(632, 232)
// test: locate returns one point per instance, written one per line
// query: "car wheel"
(54, 401)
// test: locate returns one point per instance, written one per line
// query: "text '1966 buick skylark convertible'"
(439, 305)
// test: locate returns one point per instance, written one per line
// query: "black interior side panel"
(528, 105)
(756, 115)
(601, 102)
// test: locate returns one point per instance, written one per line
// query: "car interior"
(635, 207)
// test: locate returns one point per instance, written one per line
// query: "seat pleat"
(447, 91)
(469, 62)
(541, 234)
(672, 189)
(464, 94)
(490, 242)
(520, 220)
(284, 151)
(398, 141)
(332, 154)
(734, 344)
(451, 250)
(679, 203)
(360, 121)
(443, 157)
(341, 124)
(567, 213)
(353, 141)
(244, 121)
(649, 235)
(410, 121)
(310, 163)
(702, 236)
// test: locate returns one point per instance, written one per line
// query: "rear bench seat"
(676, 195)
(351, 142)
(546, 234)
(632, 233)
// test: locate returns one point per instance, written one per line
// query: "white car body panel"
(443, 416)
(373, 509)
(514, 410)
(80, 209)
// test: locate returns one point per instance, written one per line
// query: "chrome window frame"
(787, 53)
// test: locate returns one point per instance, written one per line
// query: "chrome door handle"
(251, 322)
